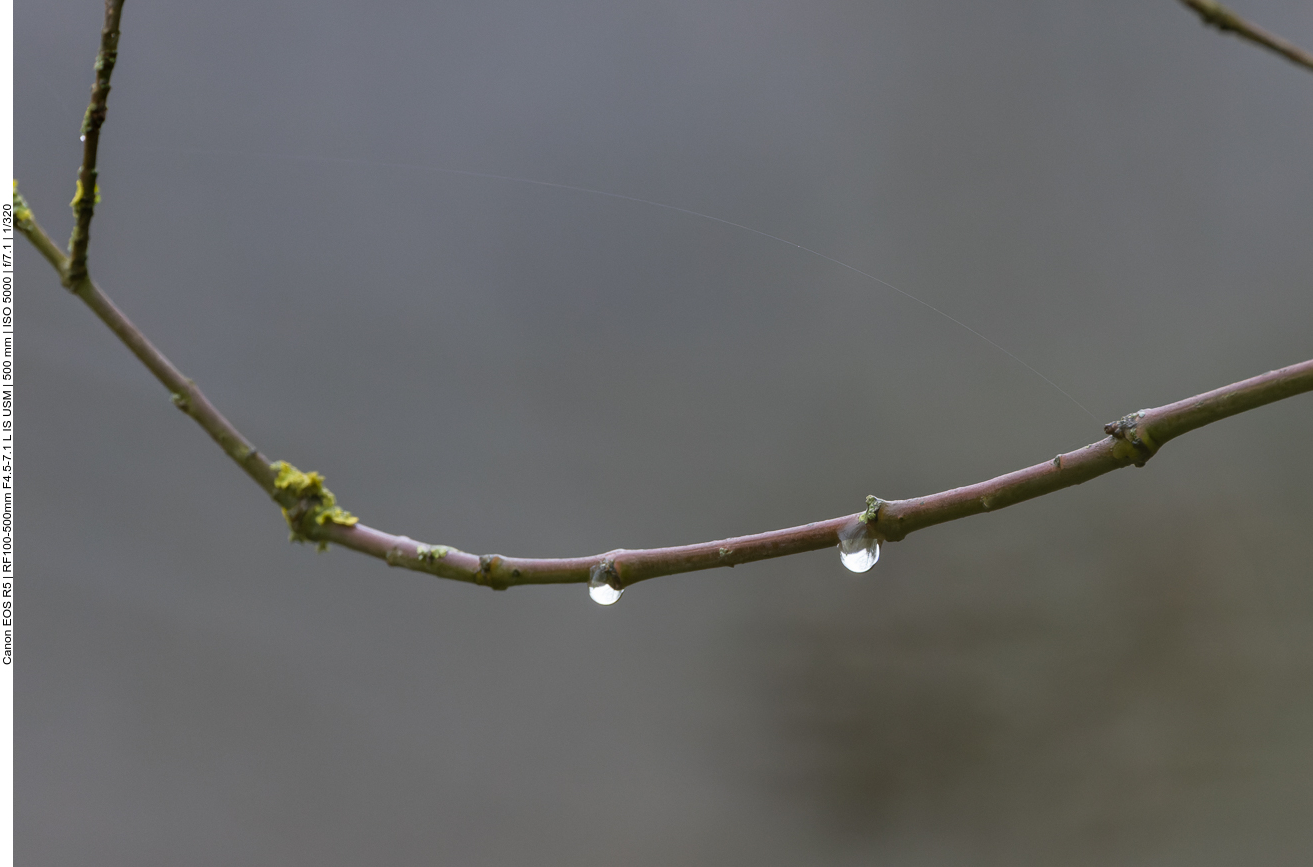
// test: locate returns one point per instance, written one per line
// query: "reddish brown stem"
(1131, 440)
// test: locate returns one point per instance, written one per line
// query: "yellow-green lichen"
(316, 504)
(79, 194)
(430, 553)
(22, 212)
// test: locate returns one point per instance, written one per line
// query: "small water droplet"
(600, 587)
(859, 547)
(82, 138)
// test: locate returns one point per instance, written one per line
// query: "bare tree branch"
(309, 507)
(313, 514)
(1214, 14)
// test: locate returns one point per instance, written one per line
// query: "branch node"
(488, 574)
(607, 571)
(1134, 444)
(1214, 14)
(872, 513)
(395, 556)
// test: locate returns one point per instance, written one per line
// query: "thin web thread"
(637, 200)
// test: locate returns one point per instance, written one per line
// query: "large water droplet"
(859, 547)
(600, 587)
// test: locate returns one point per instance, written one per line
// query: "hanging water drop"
(82, 138)
(859, 546)
(603, 593)
(601, 586)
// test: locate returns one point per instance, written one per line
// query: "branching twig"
(1216, 15)
(1130, 441)
(313, 515)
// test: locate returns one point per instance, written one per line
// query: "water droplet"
(82, 138)
(859, 547)
(600, 585)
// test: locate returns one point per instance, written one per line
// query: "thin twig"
(1214, 14)
(313, 516)
(87, 192)
(1131, 441)
(45, 245)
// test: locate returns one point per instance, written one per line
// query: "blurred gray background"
(1116, 674)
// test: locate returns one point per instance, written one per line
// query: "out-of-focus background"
(1119, 673)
